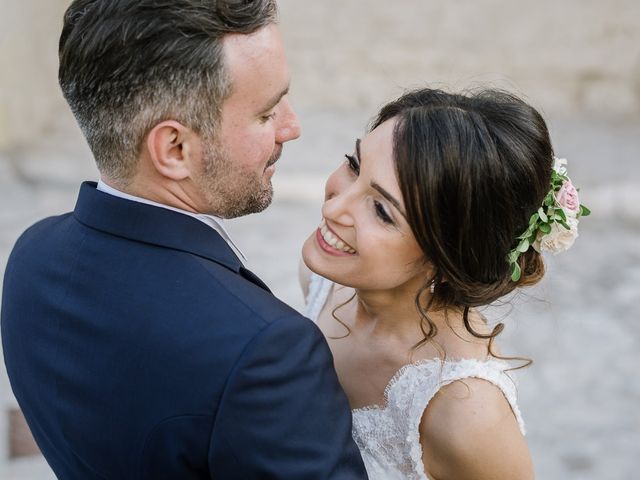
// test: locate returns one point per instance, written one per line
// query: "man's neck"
(214, 222)
(155, 191)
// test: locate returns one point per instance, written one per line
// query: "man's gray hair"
(126, 65)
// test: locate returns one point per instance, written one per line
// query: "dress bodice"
(388, 435)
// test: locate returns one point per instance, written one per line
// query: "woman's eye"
(382, 213)
(271, 116)
(353, 164)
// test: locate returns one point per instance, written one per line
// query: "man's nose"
(289, 128)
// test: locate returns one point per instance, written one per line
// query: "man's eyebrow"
(275, 100)
(378, 188)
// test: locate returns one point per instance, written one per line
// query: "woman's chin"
(310, 255)
(313, 258)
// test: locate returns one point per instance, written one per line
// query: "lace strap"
(319, 288)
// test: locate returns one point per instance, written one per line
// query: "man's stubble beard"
(230, 192)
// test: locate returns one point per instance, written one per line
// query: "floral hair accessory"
(554, 227)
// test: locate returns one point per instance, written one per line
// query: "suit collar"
(153, 225)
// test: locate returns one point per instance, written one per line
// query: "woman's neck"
(393, 315)
(387, 312)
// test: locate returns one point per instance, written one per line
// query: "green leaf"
(543, 216)
(523, 246)
(564, 224)
(545, 228)
(515, 272)
(561, 214)
(584, 211)
(527, 233)
(534, 218)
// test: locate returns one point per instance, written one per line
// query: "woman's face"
(364, 240)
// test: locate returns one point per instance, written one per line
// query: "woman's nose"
(338, 203)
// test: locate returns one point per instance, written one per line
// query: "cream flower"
(559, 238)
(560, 165)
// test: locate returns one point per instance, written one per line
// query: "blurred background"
(577, 61)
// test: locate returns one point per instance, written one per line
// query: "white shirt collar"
(214, 222)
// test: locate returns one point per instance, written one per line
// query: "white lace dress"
(388, 436)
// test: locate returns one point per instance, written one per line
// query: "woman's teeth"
(332, 240)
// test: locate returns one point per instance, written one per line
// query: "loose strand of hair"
(428, 335)
(497, 330)
(333, 314)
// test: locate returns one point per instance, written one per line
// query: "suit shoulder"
(42, 228)
(240, 292)
(39, 235)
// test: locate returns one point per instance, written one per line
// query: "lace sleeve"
(319, 288)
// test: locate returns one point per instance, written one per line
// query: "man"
(137, 344)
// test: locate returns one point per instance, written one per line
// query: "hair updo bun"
(472, 169)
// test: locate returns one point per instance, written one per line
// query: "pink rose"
(567, 197)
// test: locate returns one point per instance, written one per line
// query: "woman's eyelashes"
(353, 163)
(382, 213)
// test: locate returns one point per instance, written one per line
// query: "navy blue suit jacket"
(138, 347)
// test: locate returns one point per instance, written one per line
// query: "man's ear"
(171, 147)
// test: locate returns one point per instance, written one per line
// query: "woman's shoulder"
(319, 292)
(469, 430)
(304, 277)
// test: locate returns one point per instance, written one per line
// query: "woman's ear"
(171, 147)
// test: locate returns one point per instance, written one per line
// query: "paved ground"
(580, 325)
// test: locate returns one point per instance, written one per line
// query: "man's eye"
(271, 116)
(353, 163)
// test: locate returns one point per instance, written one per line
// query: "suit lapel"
(156, 226)
(252, 277)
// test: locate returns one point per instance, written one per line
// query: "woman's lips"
(332, 243)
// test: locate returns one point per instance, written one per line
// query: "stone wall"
(29, 94)
(574, 56)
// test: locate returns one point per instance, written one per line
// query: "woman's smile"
(331, 243)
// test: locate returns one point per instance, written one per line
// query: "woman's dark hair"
(472, 169)
(126, 65)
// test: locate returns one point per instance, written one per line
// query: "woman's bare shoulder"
(468, 431)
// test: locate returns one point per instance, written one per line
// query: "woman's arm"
(468, 431)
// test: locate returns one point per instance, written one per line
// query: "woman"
(442, 208)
